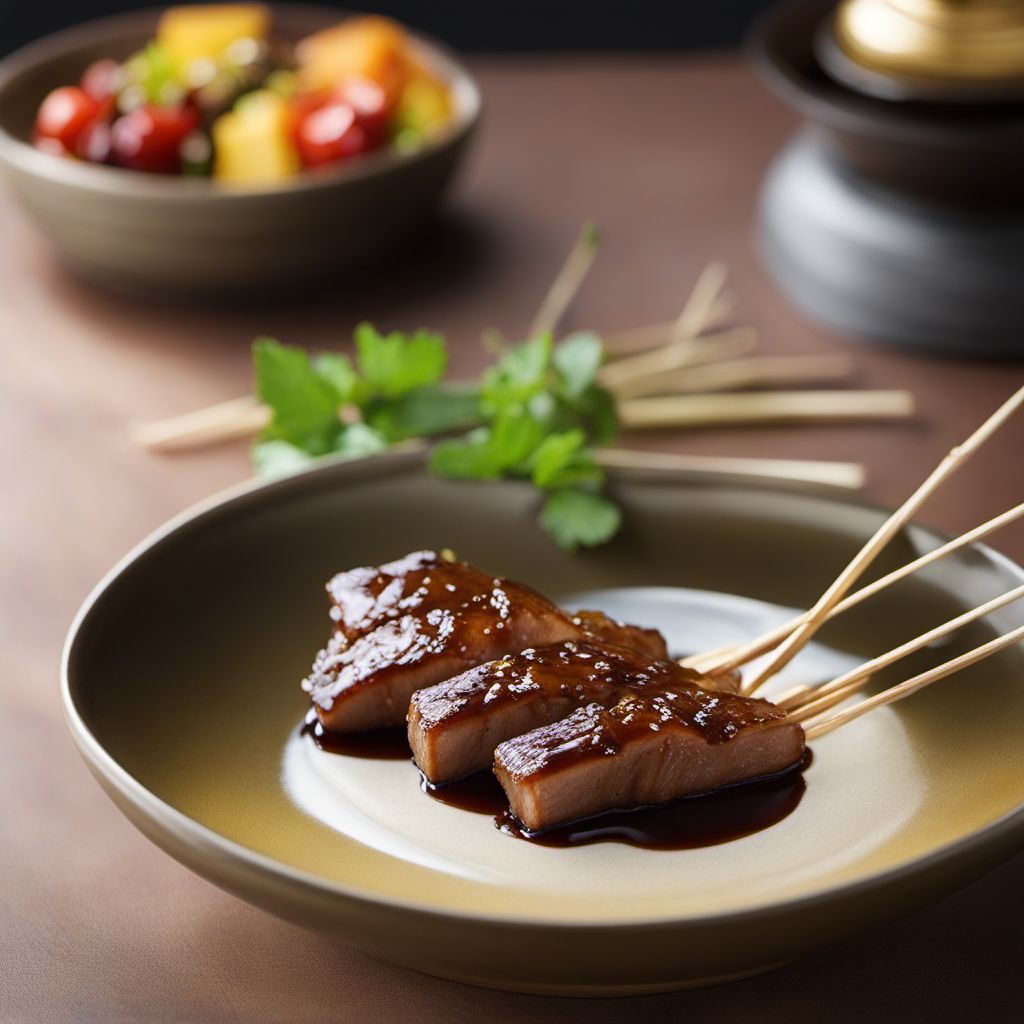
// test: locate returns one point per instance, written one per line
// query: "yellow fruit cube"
(371, 47)
(193, 33)
(251, 143)
(425, 106)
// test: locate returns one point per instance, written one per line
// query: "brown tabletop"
(98, 925)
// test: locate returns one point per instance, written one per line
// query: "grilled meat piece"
(597, 626)
(455, 726)
(416, 621)
(646, 748)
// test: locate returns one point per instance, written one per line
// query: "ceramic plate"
(181, 686)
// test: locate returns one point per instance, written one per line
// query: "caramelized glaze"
(413, 622)
(560, 676)
(596, 731)
(689, 823)
(598, 626)
(391, 744)
(432, 588)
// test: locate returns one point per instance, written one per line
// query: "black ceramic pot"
(963, 151)
(897, 221)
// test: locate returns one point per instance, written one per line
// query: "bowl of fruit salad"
(230, 149)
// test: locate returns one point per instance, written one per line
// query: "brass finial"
(951, 44)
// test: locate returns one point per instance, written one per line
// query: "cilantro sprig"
(536, 415)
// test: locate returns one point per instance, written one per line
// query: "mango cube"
(371, 47)
(425, 106)
(194, 33)
(251, 142)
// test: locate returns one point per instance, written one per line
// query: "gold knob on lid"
(963, 43)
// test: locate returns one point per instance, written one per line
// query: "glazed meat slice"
(646, 748)
(412, 624)
(455, 726)
(364, 598)
(422, 619)
(597, 626)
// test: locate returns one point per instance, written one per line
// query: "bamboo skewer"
(792, 645)
(245, 416)
(693, 319)
(741, 373)
(725, 659)
(634, 374)
(805, 702)
(844, 475)
(238, 417)
(691, 322)
(567, 283)
(634, 340)
(914, 684)
(767, 407)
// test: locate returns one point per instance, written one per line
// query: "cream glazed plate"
(181, 678)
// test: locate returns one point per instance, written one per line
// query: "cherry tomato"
(150, 138)
(101, 78)
(301, 106)
(330, 133)
(63, 115)
(370, 102)
(94, 142)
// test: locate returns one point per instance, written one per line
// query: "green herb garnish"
(535, 415)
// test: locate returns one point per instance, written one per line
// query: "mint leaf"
(490, 452)
(577, 359)
(396, 363)
(560, 460)
(278, 458)
(303, 404)
(433, 409)
(469, 458)
(519, 374)
(597, 407)
(358, 439)
(337, 370)
(580, 518)
(513, 439)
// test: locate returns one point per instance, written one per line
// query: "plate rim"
(196, 836)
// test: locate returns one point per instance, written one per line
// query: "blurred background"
(531, 25)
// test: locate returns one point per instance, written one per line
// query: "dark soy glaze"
(390, 744)
(480, 793)
(686, 824)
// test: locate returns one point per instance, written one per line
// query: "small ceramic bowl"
(159, 235)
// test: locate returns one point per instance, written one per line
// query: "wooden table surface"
(96, 924)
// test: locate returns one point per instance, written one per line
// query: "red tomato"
(370, 103)
(94, 142)
(150, 138)
(300, 107)
(64, 114)
(330, 133)
(101, 78)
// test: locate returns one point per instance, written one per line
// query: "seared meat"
(416, 621)
(412, 623)
(597, 626)
(646, 748)
(455, 726)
